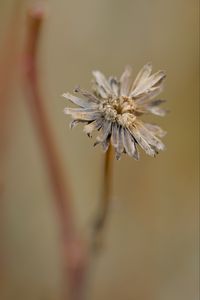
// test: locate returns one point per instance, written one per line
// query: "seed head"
(115, 108)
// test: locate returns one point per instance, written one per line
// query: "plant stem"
(74, 250)
(100, 219)
(102, 215)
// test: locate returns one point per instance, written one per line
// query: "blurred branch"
(74, 250)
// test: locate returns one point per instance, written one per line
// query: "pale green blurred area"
(150, 250)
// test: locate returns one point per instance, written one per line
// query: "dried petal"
(141, 141)
(106, 130)
(81, 114)
(102, 82)
(157, 111)
(150, 137)
(129, 144)
(120, 146)
(81, 102)
(105, 144)
(95, 125)
(115, 134)
(149, 95)
(74, 123)
(125, 81)
(90, 97)
(151, 82)
(155, 129)
(142, 76)
(114, 86)
(151, 106)
(156, 102)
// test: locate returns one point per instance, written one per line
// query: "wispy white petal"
(105, 144)
(114, 86)
(142, 76)
(89, 96)
(81, 114)
(117, 155)
(74, 123)
(151, 82)
(155, 129)
(115, 134)
(156, 102)
(101, 92)
(81, 102)
(150, 94)
(125, 81)
(129, 144)
(152, 106)
(157, 111)
(120, 147)
(95, 125)
(150, 137)
(142, 141)
(102, 82)
(106, 131)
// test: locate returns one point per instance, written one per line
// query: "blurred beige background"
(151, 249)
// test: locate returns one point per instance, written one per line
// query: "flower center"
(120, 109)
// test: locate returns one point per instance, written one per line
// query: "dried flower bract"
(115, 108)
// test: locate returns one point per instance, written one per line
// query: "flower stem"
(102, 215)
(100, 219)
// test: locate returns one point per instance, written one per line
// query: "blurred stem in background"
(74, 257)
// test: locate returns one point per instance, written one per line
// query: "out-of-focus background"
(151, 243)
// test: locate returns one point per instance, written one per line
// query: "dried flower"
(115, 107)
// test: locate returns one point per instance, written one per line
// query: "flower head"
(115, 108)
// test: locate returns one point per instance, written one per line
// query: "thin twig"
(98, 228)
(74, 250)
(102, 215)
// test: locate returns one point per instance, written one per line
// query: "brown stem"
(101, 217)
(74, 251)
(105, 200)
